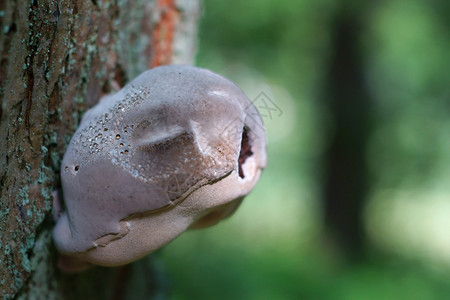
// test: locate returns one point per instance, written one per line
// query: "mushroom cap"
(176, 148)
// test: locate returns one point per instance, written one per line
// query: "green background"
(274, 247)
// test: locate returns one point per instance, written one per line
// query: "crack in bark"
(56, 14)
(29, 76)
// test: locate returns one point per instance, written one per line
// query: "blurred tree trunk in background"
(57, 58)
(348, 101)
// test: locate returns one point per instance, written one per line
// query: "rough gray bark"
(57, 58)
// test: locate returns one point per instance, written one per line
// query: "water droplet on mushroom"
(117, 136)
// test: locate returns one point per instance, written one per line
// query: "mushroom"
(178, 147)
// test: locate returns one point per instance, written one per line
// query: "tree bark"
(349, 102)
(57, 59)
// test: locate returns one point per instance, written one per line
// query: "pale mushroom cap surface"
(178, 147)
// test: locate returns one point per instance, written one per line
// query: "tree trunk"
(345, 167)
(57, 59)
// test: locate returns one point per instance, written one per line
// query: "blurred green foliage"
(272, 248)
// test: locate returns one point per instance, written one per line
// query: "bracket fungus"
(177, 148)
